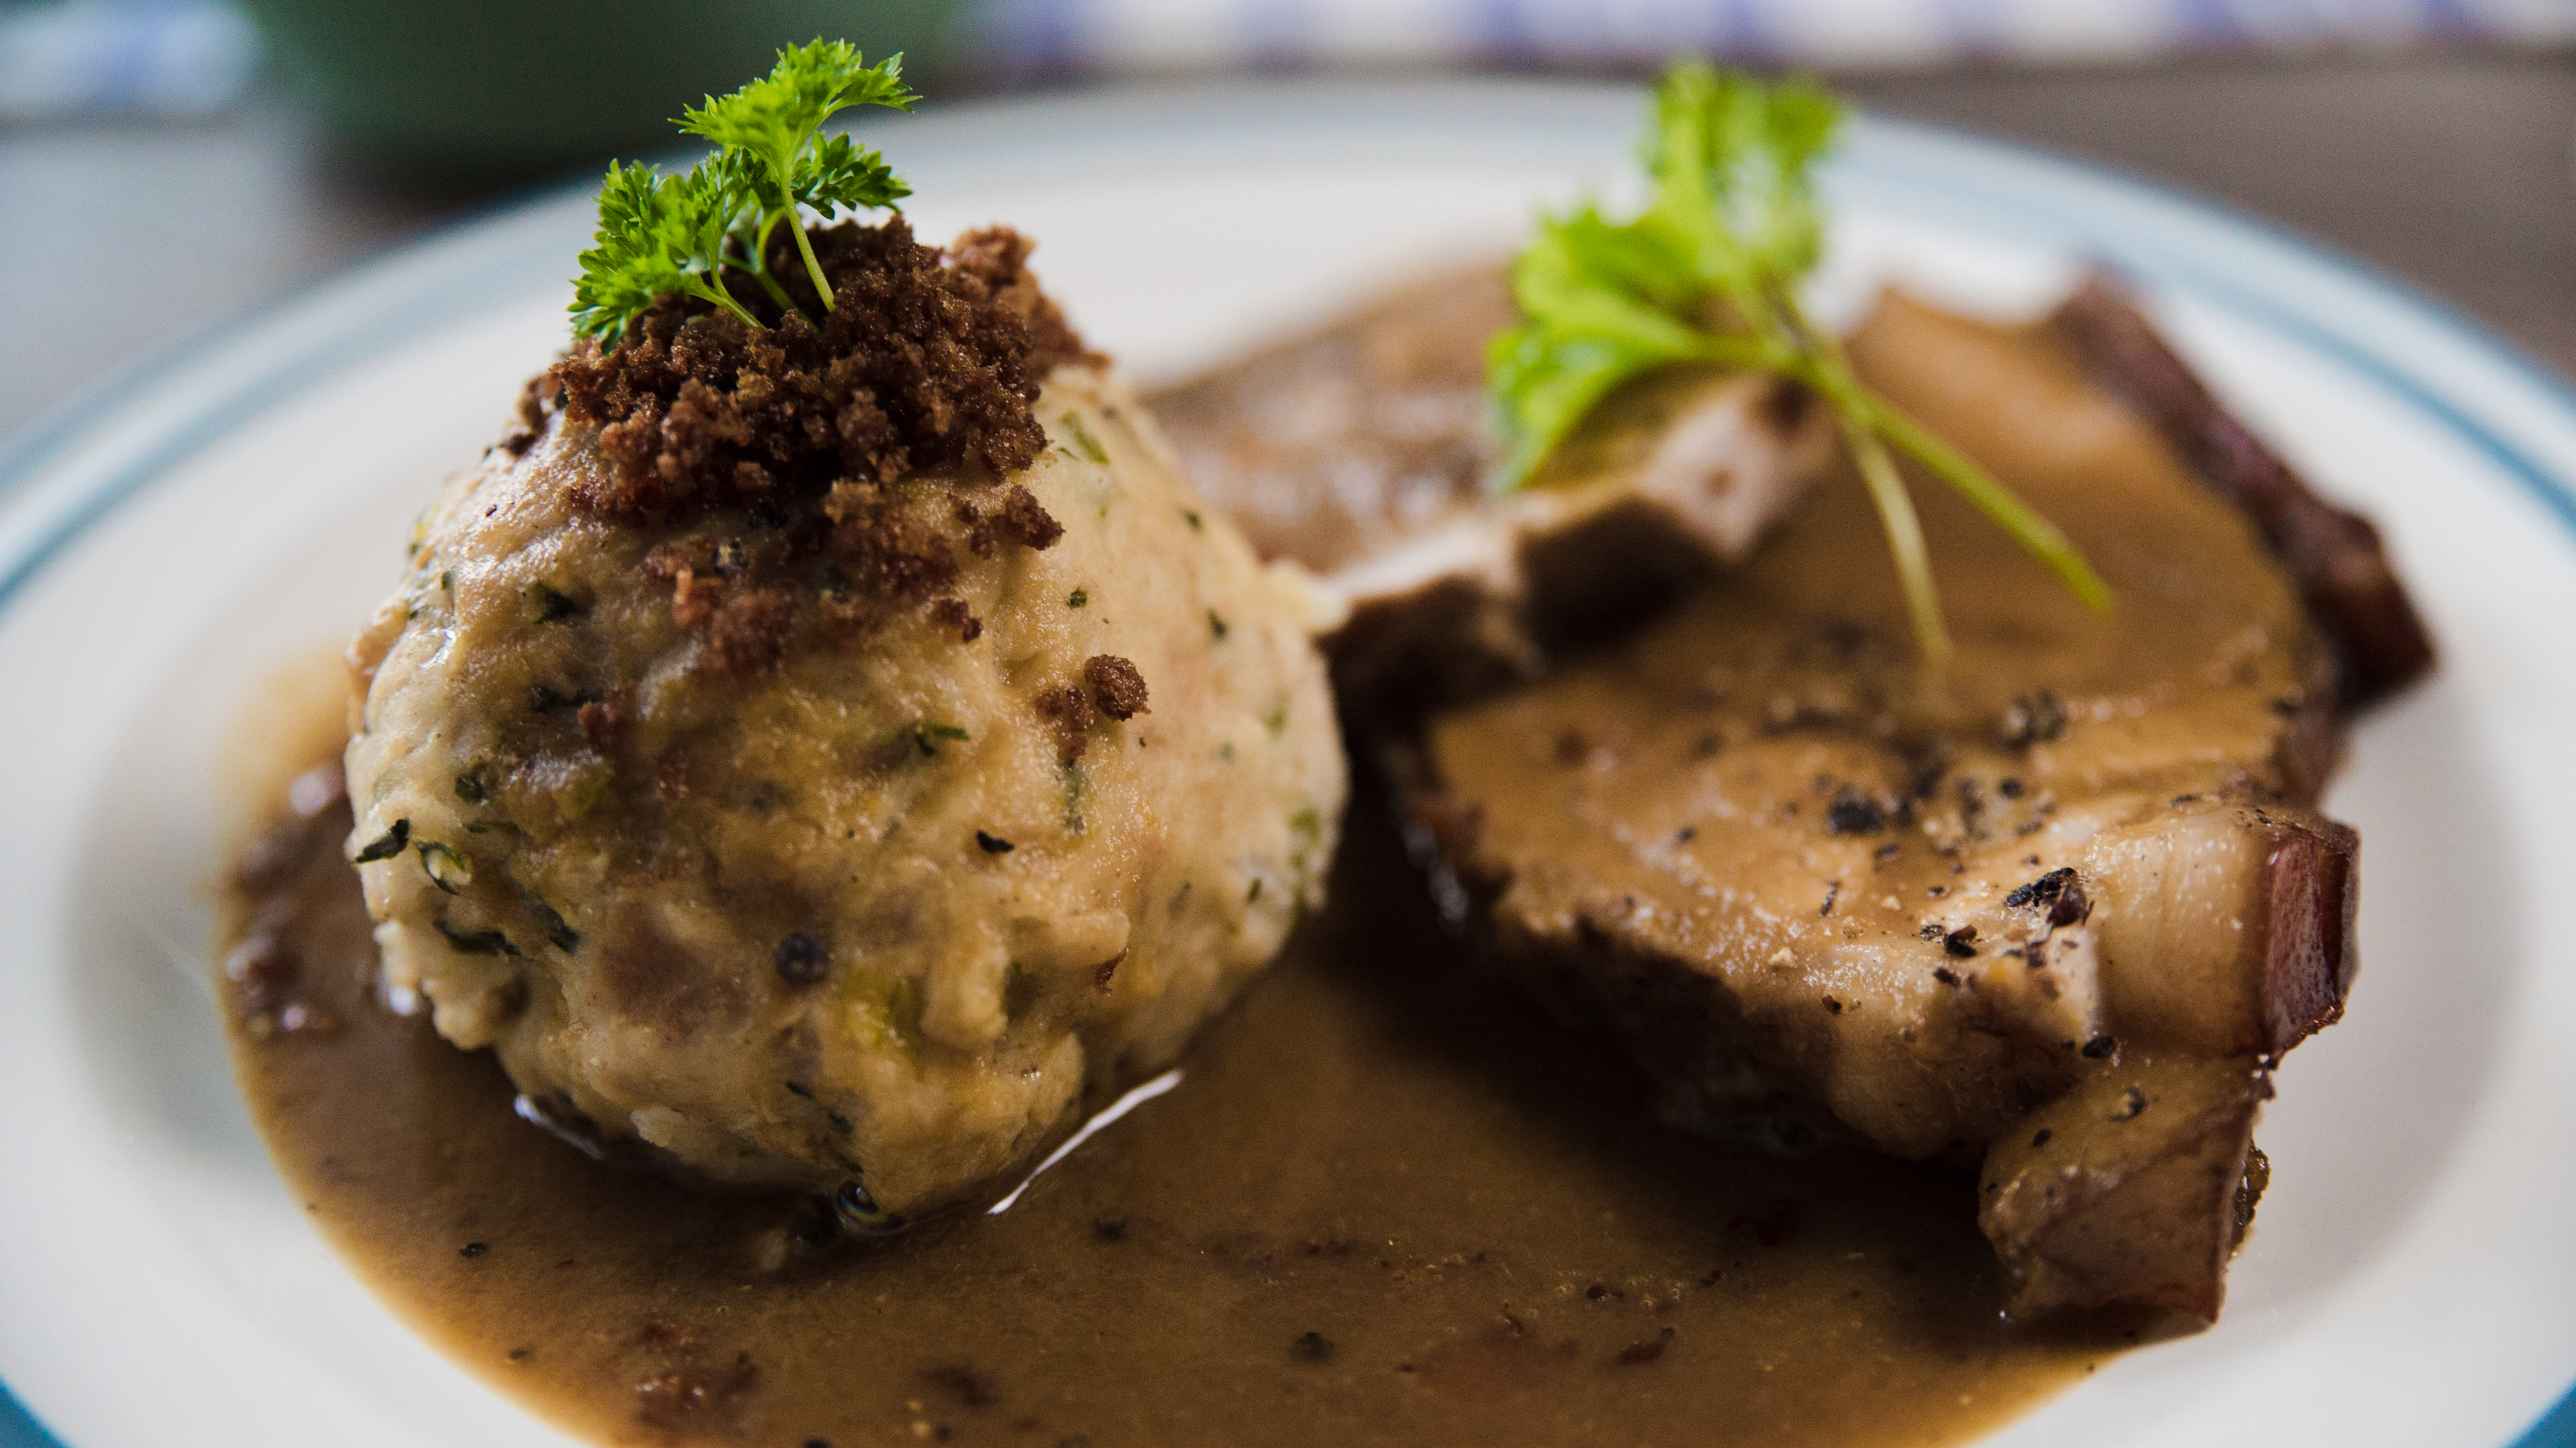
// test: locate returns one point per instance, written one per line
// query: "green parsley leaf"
(665, 236)
(842, 173)
(658, 236)
(1707, 275)
(771, 132)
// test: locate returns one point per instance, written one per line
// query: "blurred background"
(168, 163)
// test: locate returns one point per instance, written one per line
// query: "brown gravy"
(1389, 1203)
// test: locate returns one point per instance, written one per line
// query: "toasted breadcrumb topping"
(788, 452)
(1111, 688)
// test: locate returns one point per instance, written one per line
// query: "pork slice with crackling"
(2057, 908)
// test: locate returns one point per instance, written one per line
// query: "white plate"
(166, 543)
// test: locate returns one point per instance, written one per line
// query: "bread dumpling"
(837, 754)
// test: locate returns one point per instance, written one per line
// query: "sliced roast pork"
(2057, 907)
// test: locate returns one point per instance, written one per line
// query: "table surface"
(2452, 170)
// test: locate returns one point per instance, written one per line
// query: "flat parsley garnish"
(665, 236)
(1708, 275)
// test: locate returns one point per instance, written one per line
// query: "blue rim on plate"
(162, 410)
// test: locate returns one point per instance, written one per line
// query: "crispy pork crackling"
(837, 756)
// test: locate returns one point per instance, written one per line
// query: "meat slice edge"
(2134, 1186)
(2337, 555)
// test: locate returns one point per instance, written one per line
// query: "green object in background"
(485, 89)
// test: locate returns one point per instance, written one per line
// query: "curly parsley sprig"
(676, 235)
(1707, 274)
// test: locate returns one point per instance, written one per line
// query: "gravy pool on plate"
(1390, 1203)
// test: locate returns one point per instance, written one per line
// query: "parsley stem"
(1824, 352)
(1747, 354)
(712, 289)
(758, 271)
(813, 268)
(1829, 370)
(2033, 532)
(759, 266)
(1904, 537)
